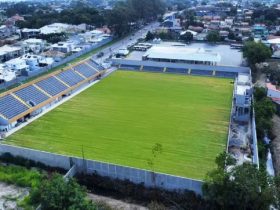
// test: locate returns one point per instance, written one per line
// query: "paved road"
(125, 42)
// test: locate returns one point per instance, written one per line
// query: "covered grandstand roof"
(182, 53)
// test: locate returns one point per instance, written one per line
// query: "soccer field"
(121, 118)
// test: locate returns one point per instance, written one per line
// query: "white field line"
(22, 125)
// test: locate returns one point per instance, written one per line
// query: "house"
(273, 92)
(242, 98)
(64, 47)
(62, 28)
(18, 65)
(8, 52)
(5, 31)
(55, 55)
(194, 33)
(33, 45)
(92, 36)
(259, 31)
(223, 34)
(6, 74)
(197, 29)
(27, 33)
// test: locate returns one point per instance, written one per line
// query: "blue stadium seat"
(130, 67)
(70, 77)
(153, 68)
(85, 70)
(176, 70)
(95, 65)
(52, 86)
(226, 74)
(11, 107)
(201, 72)
(31, 94)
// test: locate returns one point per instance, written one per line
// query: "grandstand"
(196, 70)
(30, 99)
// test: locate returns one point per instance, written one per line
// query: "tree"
(231, 36)
(213, 36)
(264, 109)
(260, 93)
(156, 150)
(256, 52)
(187, 37)
(149, 36)
(241, 187)
(57, 194)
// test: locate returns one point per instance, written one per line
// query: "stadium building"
(182, 54)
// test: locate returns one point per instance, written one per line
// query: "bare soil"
(115, 204)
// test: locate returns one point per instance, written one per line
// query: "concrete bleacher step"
(40, 89)
(20, 100)
(95, 69)
(79, 74)
(61, 81)
(3, 117)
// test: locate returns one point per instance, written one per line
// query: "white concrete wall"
(134, 175)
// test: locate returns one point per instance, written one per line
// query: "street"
(131, 39)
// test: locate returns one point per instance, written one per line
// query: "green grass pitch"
(121, 118)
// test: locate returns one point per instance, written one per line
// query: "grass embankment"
(120, 119)
(20, 176)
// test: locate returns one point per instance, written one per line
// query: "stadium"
(118, 118)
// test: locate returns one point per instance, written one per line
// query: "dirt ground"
(116, 204)
(275, 145)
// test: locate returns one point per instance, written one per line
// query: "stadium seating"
(85, 70)
(31, 94)
(130, 67)
(175, 70)
(18, 102)
(70, 77)
(52, 86)
(153, 69)
(11, 107)
(95, 65)
(201, 72)
(226, 74)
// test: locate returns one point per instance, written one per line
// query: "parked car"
(101, 54)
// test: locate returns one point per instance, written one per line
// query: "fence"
(137, 176)
(21, 79)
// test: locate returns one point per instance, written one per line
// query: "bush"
(138, 193)
(20, 176)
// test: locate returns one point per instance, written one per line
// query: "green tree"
(187, 37)
(213, 36)
(57, 194)
(231, 35)
(240, 187)
(149, 36)
(256, 52)
(264, 109)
